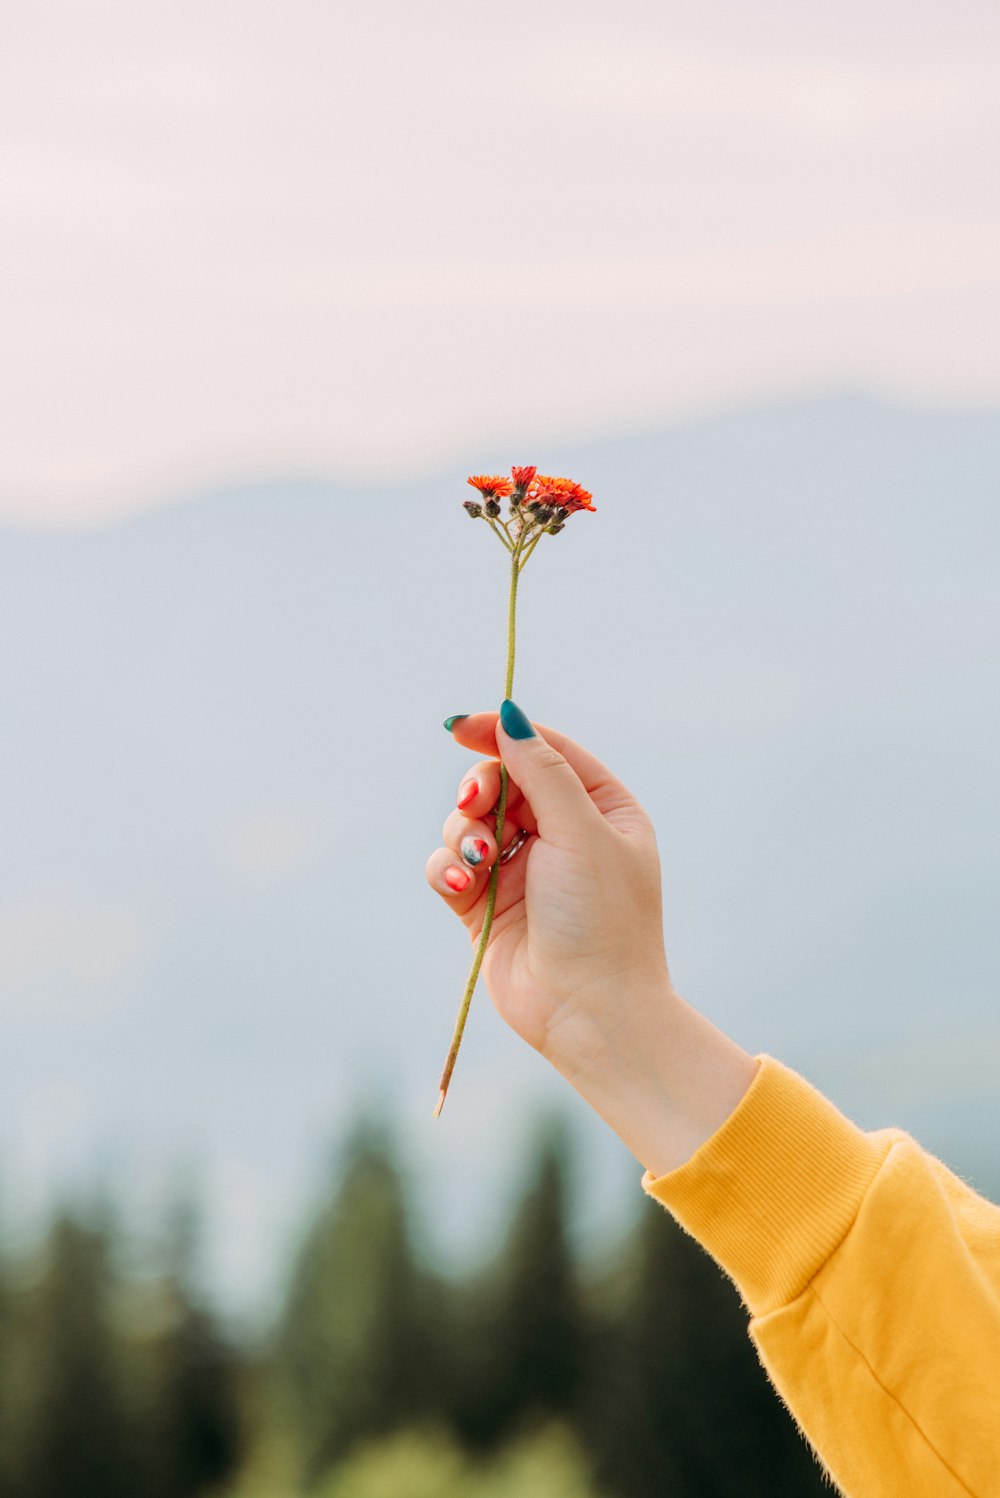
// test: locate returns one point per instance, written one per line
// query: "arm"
(871, 1272)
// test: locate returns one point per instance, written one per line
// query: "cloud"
(234, 241)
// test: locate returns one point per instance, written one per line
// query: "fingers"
(455, 880)
(460, 871)
(479, 790)
(478, 732)
(485, 777)
(471, 839)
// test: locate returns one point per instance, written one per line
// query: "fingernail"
(469, 794)
(449, 723)
(457, 879)
(514, 722)
(473, 850)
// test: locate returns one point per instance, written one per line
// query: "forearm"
(660, 1074)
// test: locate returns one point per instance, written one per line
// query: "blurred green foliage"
(530, 1373)
(355, 1334)
(432, 1465)
(113, 1384)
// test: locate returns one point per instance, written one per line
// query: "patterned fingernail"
(473, 850)
(469, 794)
(457, 879)
(449, 723)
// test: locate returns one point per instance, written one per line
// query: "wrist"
(660, 1074)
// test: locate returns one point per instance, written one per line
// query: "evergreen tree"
(79, 1438)
(197, 1413)
(678, 1401)
(194, 1421)
(520, 1336)
(9, 1380)
(353, 1343)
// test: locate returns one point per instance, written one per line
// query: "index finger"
(478, 732)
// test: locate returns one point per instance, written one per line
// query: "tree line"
(118, 1384)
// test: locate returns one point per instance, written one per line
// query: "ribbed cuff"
(775, 1189)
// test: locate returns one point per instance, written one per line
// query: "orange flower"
(494, 487)
(522, 476)
(559, 491)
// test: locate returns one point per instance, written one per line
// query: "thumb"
(555, 793)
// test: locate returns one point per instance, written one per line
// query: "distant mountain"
(223, 769)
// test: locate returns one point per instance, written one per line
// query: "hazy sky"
(238, 239)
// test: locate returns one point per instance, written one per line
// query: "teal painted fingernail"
(449, 723)
(514, 722)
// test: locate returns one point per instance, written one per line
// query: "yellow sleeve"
(872, 1278)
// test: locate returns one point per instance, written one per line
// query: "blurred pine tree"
(352, 1348)
(78, 1437)
(9, 1380)
(519, 1337)
(194, 1433)
(677, 1400)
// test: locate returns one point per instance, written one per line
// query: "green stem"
(501, 533)
(515, 573)
(531, 548)
(491, 896)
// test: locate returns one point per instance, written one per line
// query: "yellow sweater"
(872, 1278)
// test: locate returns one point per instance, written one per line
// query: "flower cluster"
(565, 494)
(538, 501)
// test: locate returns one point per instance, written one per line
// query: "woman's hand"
(575, 962)
(578, 920)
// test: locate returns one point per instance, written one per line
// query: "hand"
(578, 923)
(575, 962)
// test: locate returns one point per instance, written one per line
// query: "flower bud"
(534, 505)
(561, 513)
(553, 530)
(544, 514)
(474, 510)
(492, 508)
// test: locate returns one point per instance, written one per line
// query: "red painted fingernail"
(471, 792)
(457, 879)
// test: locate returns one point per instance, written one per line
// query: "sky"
(247, 240)
(223, 771)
